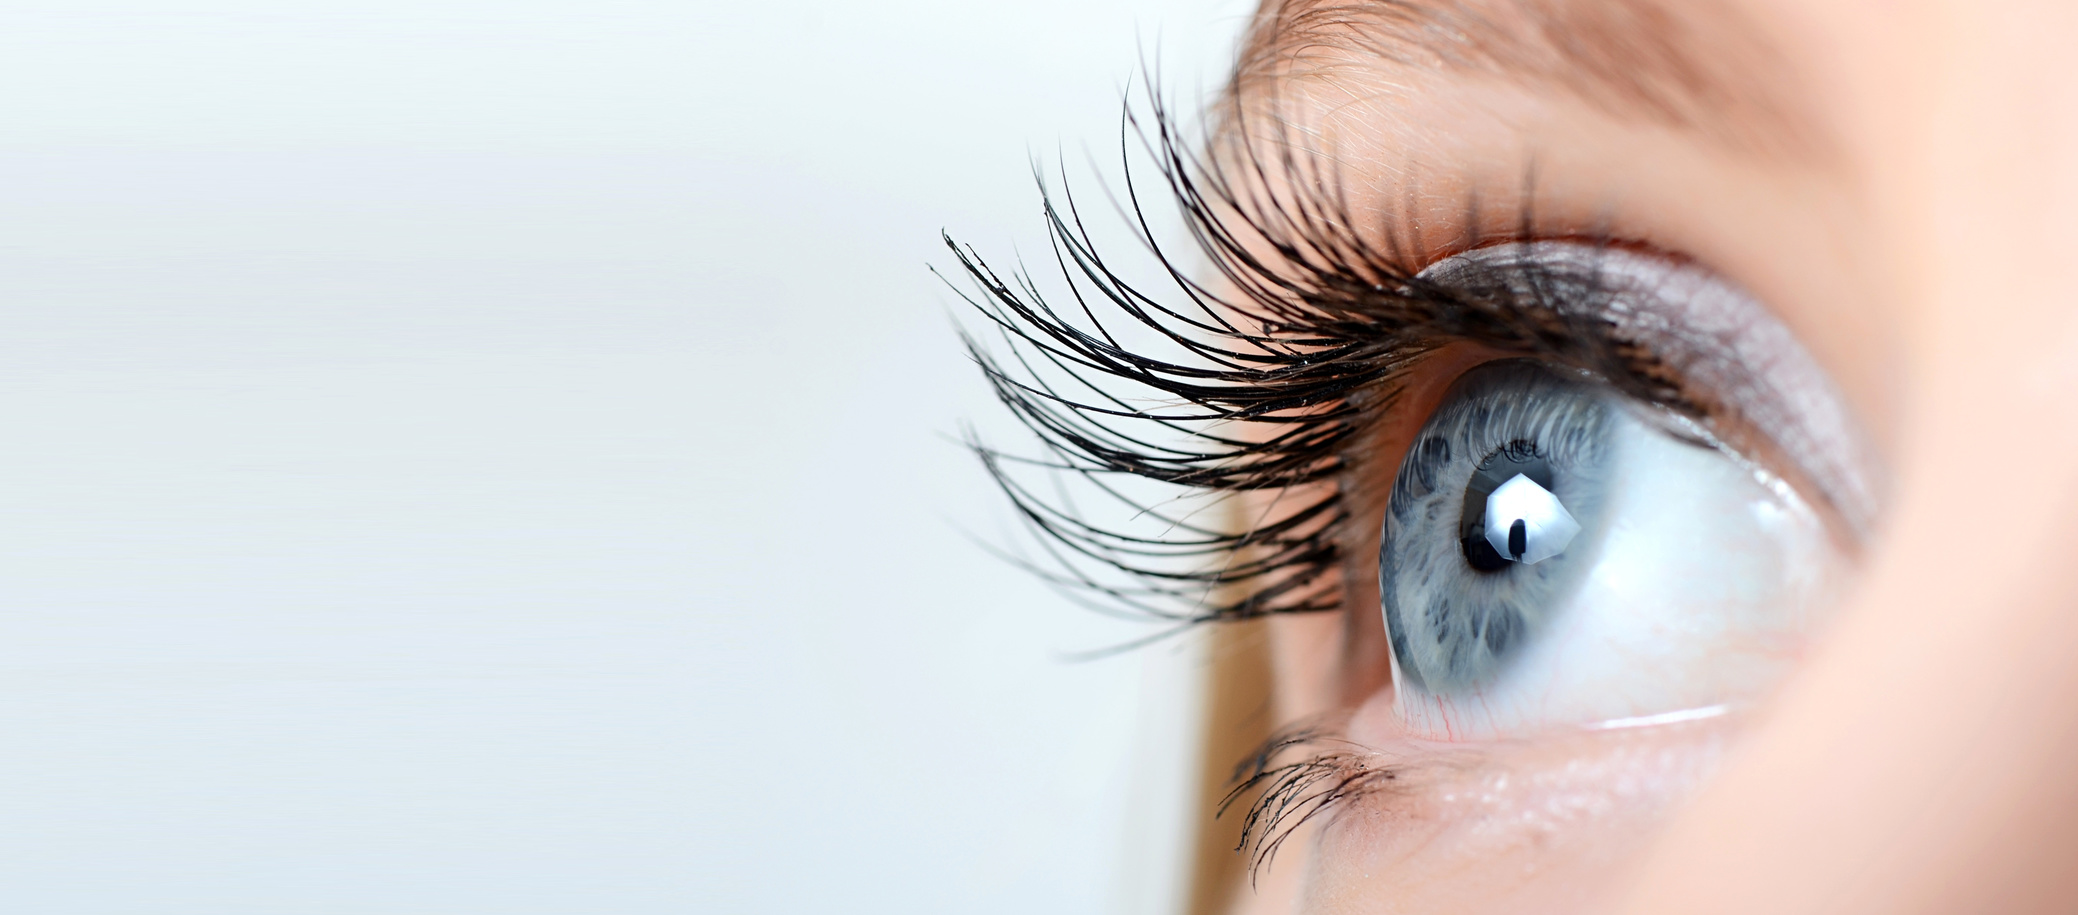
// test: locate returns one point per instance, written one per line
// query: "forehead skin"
(1703, 67)
(1895, 179)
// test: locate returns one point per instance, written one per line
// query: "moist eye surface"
(1457, 603)
(1555, 553)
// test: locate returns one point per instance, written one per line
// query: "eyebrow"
(1697, 66)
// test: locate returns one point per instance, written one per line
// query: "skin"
(1917, 237)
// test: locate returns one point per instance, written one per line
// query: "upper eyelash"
(1322, 320)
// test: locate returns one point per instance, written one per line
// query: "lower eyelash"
(1298, 775)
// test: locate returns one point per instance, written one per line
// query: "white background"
(493, 457)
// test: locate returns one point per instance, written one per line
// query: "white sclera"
(1548, 526)
(1697, 594)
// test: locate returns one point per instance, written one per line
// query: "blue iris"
(1456, 608)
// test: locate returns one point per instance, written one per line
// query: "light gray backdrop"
(490, 457)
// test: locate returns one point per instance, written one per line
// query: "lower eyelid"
(1369, 789)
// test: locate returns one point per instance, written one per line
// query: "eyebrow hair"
(1700, 66)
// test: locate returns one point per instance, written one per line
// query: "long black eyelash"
(1262, 387)
(1297, 775)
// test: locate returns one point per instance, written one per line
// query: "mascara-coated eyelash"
(1263, 378)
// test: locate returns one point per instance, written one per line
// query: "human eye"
(1555, 551)
(1691, 485)
(1522, 477)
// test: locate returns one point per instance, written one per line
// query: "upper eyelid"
(1307, 340)
(1720, 343)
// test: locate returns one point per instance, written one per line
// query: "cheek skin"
(1921, 762)
(1545, 826)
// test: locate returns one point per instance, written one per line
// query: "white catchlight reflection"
(1526, 523)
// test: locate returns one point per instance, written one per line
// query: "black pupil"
(1519, 456)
